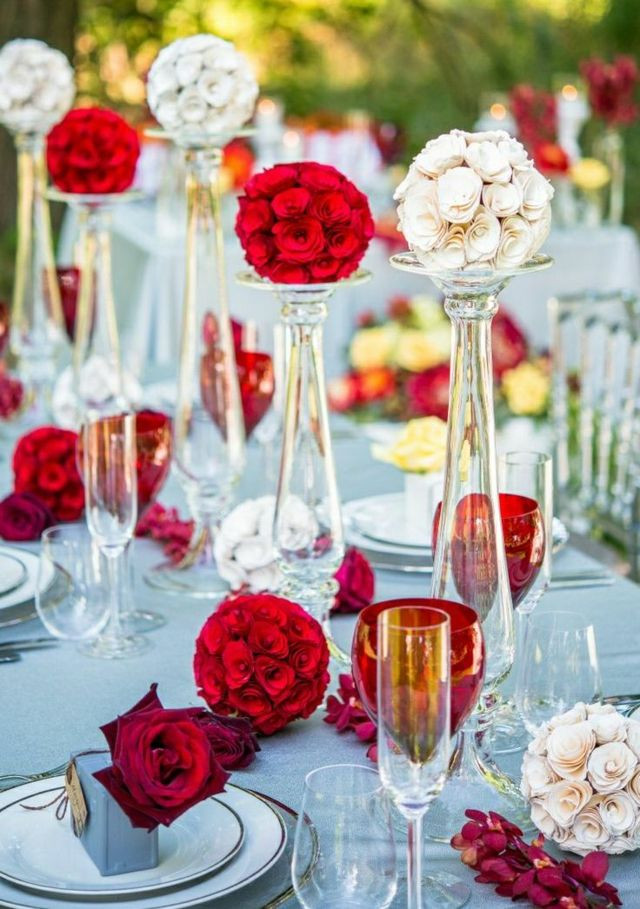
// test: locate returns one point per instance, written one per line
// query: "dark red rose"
(283, 273)
(23, 517)
(343, 243)
(321, 177)
(92, 150)
(259, 250)
(44, 463)
(11, 394)
(300, 239)
(428, 392)
(357, 582)
(163, 762)
(331, 208)
(612, 88)
(291, 203)
(324, 269)
(232, 738)
(255, 215)
(272, 181)
(274, 668)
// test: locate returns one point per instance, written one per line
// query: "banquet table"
(53, 701)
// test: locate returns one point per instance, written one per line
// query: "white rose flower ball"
(36, 86)
(474, 200)
(581, 776)
(201, 86)
(243, 546)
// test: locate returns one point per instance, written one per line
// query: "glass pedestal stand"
(308, 533)
(469, 560)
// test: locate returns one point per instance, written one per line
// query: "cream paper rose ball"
(36, 86)
(581, 776)
(474, 200)
(243, 546)
(200, 87)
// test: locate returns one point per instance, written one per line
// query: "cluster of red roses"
(262, 657)
(611, 88)
(303, 223)
(494, 847)
(166, 761)
(92, 150)
(534, 111)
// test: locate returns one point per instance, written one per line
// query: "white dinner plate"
(17, 605)
(40, 853)
(265, 838)
(12, 572)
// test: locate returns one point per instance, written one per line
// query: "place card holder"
(114, 846)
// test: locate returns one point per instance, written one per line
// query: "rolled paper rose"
(244, 549)
(633, 787)
(458, 192)
(164, 762)
(565, 799)
(633, 737)
(482, 236)
(609, 727)
(515, 153)
(536, 193)
(618, 812)
(356, 582)
(450, 254)
(589, 831)
(576, 714)
(542, 819)
(569, 749)
(537, 776)
(423, 225)
(441, 154)
(516, 241)
(488, 161)
(502, 199)
(23, 517)
(611, 766)
(538, 744)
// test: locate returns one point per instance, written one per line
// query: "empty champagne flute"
(559, 668)
(414, 686)
(344, 855)
(109, 474)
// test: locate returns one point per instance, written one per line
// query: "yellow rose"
(427, 312)
(420, 447)
(372, 347)
(418, 350)
(589, 174)
(526, 389)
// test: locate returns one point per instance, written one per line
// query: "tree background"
(420, 63)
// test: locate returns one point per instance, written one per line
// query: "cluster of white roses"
(581, 776)
(201, 86)
(244, 549)
(474, 200)
(36, 86)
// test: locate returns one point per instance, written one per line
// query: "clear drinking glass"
(525, 473)
(559, 667)
(71, 591)
(414, 687)
(109, 475)
(344, 855)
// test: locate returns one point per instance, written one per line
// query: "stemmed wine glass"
(467, 674)
(109, 474)
(413, 703)
(257, 385)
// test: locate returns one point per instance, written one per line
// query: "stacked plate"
(216, 849)
(18, 579)
(377, 525)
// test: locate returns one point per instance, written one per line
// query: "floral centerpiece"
(581, 777)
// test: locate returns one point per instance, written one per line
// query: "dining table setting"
(252, 655)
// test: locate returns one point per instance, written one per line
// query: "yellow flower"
(526, 389)
(372, 347)
(418, 350)
(420, 448)
(427, 312)
(589, 174)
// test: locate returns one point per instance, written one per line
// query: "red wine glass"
(524, 541)
(69, 284)
(153, 438)
(257, 385)
(467, 655)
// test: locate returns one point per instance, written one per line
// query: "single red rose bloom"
(23, 517)
(92, 150)
(300, 239)
(273, 667)
(291, 203)
(357, 582)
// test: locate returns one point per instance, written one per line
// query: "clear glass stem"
(414, 863)
(114, 559)
(37, 326)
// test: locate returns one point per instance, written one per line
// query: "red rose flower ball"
(303, 223)
(92, 150)
(264, 658)
(44, 464)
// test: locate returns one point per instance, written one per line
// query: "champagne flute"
(109, 474)
(414, 687)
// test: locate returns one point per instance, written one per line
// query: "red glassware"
(69, 284)
(153, 440)
(467, 655)
(524, 543)
(257, 385)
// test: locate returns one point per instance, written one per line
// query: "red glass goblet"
(257, 385)
(467, 655)
(524, 542)
(153, 439)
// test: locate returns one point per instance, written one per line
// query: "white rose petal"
(502, 199)
(420, 219)
(516, 242)
(565, 799)
(191, 106)
(618, 812)
(482, 236)
(450, 254)
(537, 775)
(633, 786)
(619, 844)
(542, 819)
(459, 192)
(297, 525)
(165, 79)
(440, 154)
(223, 56)
(243, 546)
(412, 177)
(488, 161)
(491, 135)
(515, 153)
(537, 193)
(538, 744)
(540, 230)
(609, 727)
(597, 709)
(569, 748)
(216, 88)
(576, 714)
(633, 737)
(589, 829)
(611, 766)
